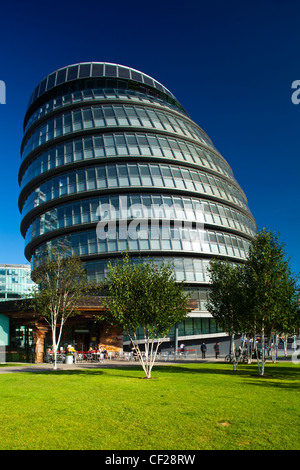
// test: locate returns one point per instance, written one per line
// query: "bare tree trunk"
(263, 359)
(249, 352)
(54, 345)
(234, 361)
(285, 344)
(148, 361)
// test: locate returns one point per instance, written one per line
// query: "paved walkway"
(37, 368)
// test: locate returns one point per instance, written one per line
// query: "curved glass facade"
(99, 135)
(152, 205)
(107, 116)
(126, 176)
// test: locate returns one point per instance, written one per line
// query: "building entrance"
(82, 341)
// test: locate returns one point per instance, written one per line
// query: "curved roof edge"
(83, 70)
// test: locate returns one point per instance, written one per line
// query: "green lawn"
(184, 407)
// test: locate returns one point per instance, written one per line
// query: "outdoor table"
(92, 355)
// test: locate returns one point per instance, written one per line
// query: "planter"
(69, 359)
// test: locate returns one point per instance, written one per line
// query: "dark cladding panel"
(97, 70)
(124, 73)
(136, 76)
(72, 72)
(43, 87)
(148, 80)
(51, 81)
(84, 70)
(61, 76)
(110, 70)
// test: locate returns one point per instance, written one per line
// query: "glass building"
(110, 162)
(15, 281)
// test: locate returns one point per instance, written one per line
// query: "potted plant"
(70, 355)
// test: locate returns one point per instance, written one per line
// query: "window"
(123, 175)
(134, 175)
(112, 176)
(145, 174)
(98, 117)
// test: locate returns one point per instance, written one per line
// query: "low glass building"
(111, 162)
(15, 281)
(15, 284)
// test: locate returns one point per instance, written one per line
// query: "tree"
(258, 297)
(144, 296)
(271, 290)
(225, 298)
(62, 282)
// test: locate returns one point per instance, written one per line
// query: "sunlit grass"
(184, 407)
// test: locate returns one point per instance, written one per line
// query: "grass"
(185, 407)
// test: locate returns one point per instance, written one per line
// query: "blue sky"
(230, 63)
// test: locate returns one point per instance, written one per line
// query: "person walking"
(217, 349)
(203, 350)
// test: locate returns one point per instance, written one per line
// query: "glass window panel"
(77, 120)
(101, 177)
(134, 175)
(155, 147)
(91, 179)
(94, 206)
(98, 117)
(154, 244)
(133, 244)
(132, 116)
(99, 146)
(109, 116)
(167, 176)
(71, 183)
(88, 148)
(144, 244)
(133, 145)
(112, 176)
(112, 245)
(121, 145)
(165, 147)
(145, 174)
(123, 175)
(156, 175)
(165, 122)
(144, 117)
(78, 150)
(110, 145)
(67, 123)
(87, 118)
(121, 116)
(58, 126)
(166, 244)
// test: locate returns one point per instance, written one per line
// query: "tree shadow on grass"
(286, 377)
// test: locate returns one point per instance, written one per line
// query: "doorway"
(82, 341)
